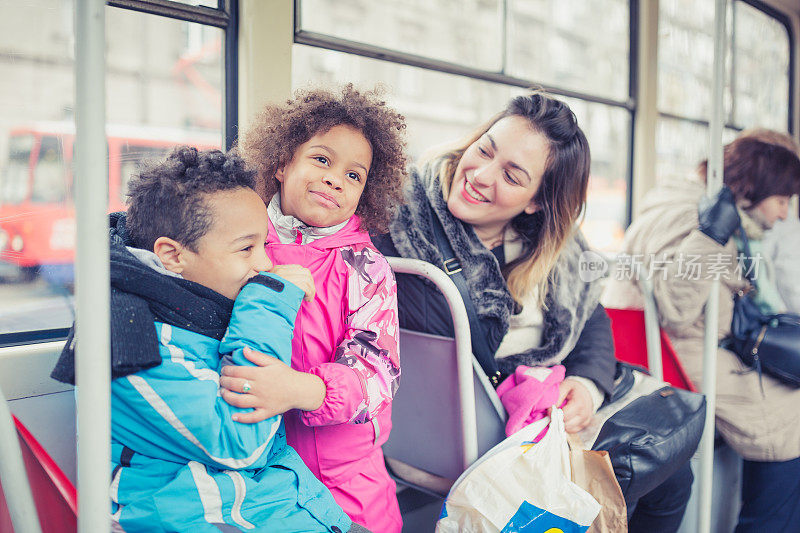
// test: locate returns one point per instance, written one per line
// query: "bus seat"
(425, 419)
(630, 346)
(54, 494)
(437, 432)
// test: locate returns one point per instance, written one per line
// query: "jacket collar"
(285, 229)
(140, 295)
(753, 228)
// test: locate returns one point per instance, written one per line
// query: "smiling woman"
(497, 178)
(509, 199)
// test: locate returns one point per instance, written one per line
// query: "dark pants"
(770, 497)
(661, 510)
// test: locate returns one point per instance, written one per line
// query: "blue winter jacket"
(180, 463)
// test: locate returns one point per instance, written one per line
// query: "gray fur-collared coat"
(576, 330)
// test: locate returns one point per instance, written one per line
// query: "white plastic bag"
(520, 486)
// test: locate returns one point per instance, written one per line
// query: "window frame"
(629, 104)
(337, 44)
(784, 20)
(226, 17)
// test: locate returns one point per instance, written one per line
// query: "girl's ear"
(531, 208)
(280, 174)
(171, 253)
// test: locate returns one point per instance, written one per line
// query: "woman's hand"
(274, 388)
(576, 402)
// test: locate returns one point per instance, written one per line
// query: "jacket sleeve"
(593, 355)
(365, 371)
(682, 276)
(175, 411)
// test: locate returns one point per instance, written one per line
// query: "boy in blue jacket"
(191, 243)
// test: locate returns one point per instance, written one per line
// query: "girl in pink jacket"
(331, 166)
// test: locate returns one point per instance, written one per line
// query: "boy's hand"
(274, 388)
(298, 275)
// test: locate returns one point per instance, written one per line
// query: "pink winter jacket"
(348, 336)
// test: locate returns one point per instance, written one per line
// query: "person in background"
(782, 248)
(782, 242)
(693, 246)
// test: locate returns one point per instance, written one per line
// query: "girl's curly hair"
(278, 131)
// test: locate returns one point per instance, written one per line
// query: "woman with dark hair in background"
(763, 425)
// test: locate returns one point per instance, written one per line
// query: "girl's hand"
(576, 402)
(298, 275)
(274, 388)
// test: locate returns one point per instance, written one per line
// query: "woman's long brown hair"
(560, 199)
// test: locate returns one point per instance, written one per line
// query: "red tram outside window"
(37, 213)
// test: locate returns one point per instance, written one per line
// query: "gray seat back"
(426, 431)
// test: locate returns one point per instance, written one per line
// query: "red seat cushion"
(630, 345)
(53, 493)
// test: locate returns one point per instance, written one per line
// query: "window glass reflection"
(468, 32)
(608, 131)
(686, 58)
(681, 145)
(442, 108)
(762, 70)
(164, 87)
(556, 43)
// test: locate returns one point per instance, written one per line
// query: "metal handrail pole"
(652, 330)
(466, 386)
(92, 361)
(16, 487)
(710, 342)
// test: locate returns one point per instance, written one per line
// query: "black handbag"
(653, 434)
(768, 343)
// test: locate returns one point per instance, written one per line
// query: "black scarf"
(569, 301)
(140, 296)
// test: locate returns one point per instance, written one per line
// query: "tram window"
(49, 172)
(757, 74)
(608, 130)
(131, 160)
(681, 145)
(686, 58)
(157, 77)
(164, 86)
(555, 43)
(762, 69)
(451, 106)
(15, 178)
(465, 32)
(447, 108)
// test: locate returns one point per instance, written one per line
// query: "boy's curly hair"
(279, 130)
(167, 198)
